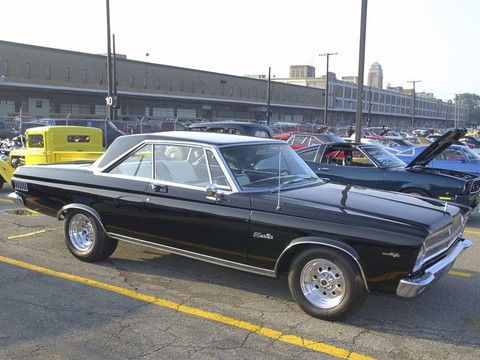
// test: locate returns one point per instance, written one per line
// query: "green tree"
(472, 101)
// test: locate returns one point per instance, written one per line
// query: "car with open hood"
(249, 204)
(445, 154)
(371, 165)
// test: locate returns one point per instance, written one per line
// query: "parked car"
(110, 131)
(373, 166)
(234, 127)
(396, 143)
(301, 140)
(472, 141)
(250, 204)
(52, 144)
(455, 157)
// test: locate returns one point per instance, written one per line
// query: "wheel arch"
(62, 213)
(297, 245)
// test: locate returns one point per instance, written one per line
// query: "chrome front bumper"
(17, 198)
(412, 287)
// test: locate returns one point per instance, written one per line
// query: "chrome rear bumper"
(412, 287)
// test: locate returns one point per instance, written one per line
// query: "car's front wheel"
(326, 283)
(85, 238)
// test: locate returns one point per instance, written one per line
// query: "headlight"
(420, 258)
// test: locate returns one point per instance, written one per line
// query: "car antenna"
(279, 176)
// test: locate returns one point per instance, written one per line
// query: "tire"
(85, 239)
(326, 284)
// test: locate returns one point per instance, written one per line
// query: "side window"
(218, 177)
(36, 141)
(308, 155)
(181, 164)
(138, 164)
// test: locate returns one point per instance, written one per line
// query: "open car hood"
(437, 147)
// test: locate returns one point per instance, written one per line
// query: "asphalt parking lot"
(146, 304)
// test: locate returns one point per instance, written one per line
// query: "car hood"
(351, 210)
(437, 147)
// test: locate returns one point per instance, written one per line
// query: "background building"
(46, 82)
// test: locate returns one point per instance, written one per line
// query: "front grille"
(20, 185)
(441, 241)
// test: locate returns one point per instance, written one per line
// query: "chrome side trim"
(17, 199)
(196, 256)
(412, 287)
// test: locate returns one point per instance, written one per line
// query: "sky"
(433, 42)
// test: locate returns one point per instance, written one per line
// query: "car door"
(347, 165)
(181, 216)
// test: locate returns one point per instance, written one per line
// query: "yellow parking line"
(460, 273)
(8, 201)
(25, 235)
(269, 333)
(471, 232)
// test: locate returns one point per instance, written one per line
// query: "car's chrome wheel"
(322, 283)
(81, 232)
(326, 283)
(85, 237)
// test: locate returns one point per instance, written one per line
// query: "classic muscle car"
(250, 204)
(373, 166)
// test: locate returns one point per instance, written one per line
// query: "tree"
(472, 101)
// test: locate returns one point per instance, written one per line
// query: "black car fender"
(297, 245)
(61, 214)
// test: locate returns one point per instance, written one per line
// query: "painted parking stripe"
(269, 333)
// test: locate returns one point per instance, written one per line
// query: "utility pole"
(413, 101)
(269, 85)
(361, 70)
(325, 113)
(109, 98)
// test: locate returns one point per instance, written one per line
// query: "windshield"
(471, 154)
(267, 166)
(381, 157)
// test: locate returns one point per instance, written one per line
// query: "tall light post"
(109, 98)
(413, 101)
(325, 113)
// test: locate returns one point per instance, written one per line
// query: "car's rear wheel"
(326, 283)
(85, 238)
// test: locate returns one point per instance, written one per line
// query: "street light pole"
(413, 101)
(269, 85)
(361, 70)
(109, 99)
(325, 113)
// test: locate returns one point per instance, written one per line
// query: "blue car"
(444, 155)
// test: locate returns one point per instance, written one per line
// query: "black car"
(250, 204)
(234, 127)
(373, 166)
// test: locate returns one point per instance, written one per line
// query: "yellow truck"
(53, 144)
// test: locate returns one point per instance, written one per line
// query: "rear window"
(78, 138)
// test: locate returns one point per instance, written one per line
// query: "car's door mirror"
(211, 192)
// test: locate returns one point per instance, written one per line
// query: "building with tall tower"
(375, 76)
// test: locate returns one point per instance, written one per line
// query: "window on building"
(67, 74)
(84, 76)
(27, 70)
(157, 85)
(38, 104)
(101, 78)
(145, 82)
(130, 80)
(5, 67)
(48, 72)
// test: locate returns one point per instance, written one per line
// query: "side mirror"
(211, 192)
